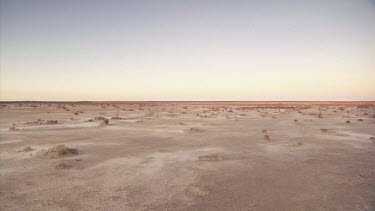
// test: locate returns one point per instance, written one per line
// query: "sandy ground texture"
(187, 156)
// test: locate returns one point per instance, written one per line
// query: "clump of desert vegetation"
(323, 130)
(267, 137)
(195, 130)
(13, 128)
(77, 112)
(211, 157)
(42, 122)
(27, 149)
(298, 143)
(99, 118)
(63, 107)
(264, 115)
(63, 165)
(104, 123)
(115, 106)
(57, 152)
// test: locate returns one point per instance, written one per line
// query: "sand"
(187, 156)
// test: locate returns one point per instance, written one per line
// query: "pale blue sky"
(187, 50)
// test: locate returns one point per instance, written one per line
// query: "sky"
(187, 50)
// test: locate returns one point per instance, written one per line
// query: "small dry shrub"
(297, 144)
(50, 122)
(195, 130)
(99, 118)
(42, 122)
(13, 128)
(267, 138)
(27, 149)
(347, 121)
(212, 157)
(105, 122)
(63, 166)
(323, 130)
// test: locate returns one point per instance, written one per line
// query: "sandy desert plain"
(187, 156)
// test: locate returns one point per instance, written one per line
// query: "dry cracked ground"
(187, 156)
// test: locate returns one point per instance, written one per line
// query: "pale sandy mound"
(57, 152)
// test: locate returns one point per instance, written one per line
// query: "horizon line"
(130, 101)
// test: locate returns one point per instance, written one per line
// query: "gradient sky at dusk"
(187, 50)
